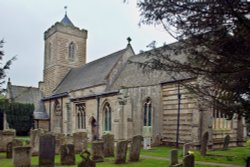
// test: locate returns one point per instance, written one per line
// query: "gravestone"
(188, 161)
(204, 143)
(248, 162)
(47, 150)
(67, 154)
(186, 148)
(80, 141)
(22, 156)
(97, 151)
(108, 146)
(121, 152)
(135, 148)
(226, 142)
(11, 145)
(60, 140)
(6, 136)
(86, 161)
(157, 140)
(173, 157)
(34, 140)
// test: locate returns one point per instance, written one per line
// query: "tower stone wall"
(57, 61)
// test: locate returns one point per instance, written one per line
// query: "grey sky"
(109, 23)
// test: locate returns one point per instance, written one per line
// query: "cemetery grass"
(235, 155)
(109, 162)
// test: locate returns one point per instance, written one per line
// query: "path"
(214, 164)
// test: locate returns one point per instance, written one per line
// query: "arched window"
(81, 116)
(72, 50)
(107, 116)
(148, 112)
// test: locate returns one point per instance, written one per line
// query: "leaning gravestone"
(67, 154)
(47, 150)
(11, 145)
(188, 161)
(204, 143)
(121, 152)
(80, 141)
(22, 156)
(34, 140)
(86, 161)
(173, 157)
(108, 147)
(135, 148)
(226, 142)
(6, 136)
(97, 151)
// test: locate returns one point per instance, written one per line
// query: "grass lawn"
(236, 155)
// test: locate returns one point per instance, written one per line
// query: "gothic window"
(221, 121)
(81, 116)
(72, 51)
(107, 116)
(147, 112)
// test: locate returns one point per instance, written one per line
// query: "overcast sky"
(109, 23)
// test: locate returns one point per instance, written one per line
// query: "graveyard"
(47, 149)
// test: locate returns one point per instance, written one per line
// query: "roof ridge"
(25, 86)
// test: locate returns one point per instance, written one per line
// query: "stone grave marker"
(60, 140)
(226, 142)
(108, 147)
(97, 151)
(188, 160)
(204, 143)
(135, 148)
(67, 154)
(34, 140)
(11, 145)
(80, 141)
(173, 157)
(186, 148)
(86, 161)
(121, 151)
(6, 136)
(47, 150)
(22, 156)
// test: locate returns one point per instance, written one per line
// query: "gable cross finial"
(129, 40)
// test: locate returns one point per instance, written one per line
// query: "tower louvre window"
(72, 51)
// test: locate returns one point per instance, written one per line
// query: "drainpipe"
(97, 116)
(178, 115)
(49, 115)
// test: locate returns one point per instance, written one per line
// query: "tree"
(3, 66)
(215, 40)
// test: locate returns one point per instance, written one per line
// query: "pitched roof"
(66, 21)
(91, 74)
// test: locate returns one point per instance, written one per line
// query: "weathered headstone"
(22, 156)
(108, 146)
(188, 160)
(157, 140)
(60, 140)
(204, 143)
(80, 141)
(6, 136)
(67, 154)
(34, 140)
(173, 157)
(11, 145)
(86, 161)
(47, 150)
(97, 151)
(135, 148)
(226, 142)
(121, 152)
(186, 148)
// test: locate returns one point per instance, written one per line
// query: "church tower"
(65, 48)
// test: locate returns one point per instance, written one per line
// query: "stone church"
(114, 95)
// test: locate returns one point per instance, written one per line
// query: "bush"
(248, 143)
